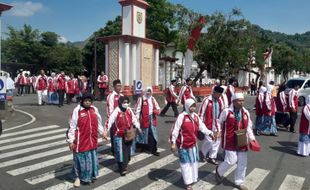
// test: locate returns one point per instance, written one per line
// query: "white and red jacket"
(122, 121)
(146, 107)
(70, 86)
(186, 92)
(84, 127)
(185, 130)
(102, 81)
(206, 113)
(227, 122)
(28, 81)
(171, 94)
(293, 100)
(112, 102)
(61, 82)
(304, 127)
(21, 79)
(230, 92)
(51, 84)
(282, 102)
(260, 101)
(270, 105)
(41, 82)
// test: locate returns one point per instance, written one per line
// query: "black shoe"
(123, 173)
(274, 134)
(156, 153)
(292, 131)
(213, 161)
(257, 132)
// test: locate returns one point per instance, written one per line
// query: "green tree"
(49, 38)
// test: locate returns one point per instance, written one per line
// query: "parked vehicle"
(304, 88)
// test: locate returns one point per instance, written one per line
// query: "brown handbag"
(240, 134)
(129, 134)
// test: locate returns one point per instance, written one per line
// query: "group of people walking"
(216, 121)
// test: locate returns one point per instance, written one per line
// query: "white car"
(304, 88)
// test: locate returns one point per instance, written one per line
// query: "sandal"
(189, 187)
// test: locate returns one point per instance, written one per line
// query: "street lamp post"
(3, 7)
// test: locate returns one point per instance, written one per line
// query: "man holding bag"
(237, 132)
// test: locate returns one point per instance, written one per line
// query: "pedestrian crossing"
(35, 155)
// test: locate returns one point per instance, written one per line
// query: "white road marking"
(209, 182)
(130, 177)
(32, 136)
(32, 142)
(31, 149)
(103, 171)
(255, 178)
(36, 129)
(292, 182)
(45, 164)
(33, 119)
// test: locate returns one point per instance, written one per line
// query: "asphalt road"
(36, 156)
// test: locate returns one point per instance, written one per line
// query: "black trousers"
(126, 156)
(69, 98)
(27, 89)
(174, 108)
(32, 89)
(102, 91)
(292, 121)
(61, 94)
(0, 127)
(21, 89)
(152, 143)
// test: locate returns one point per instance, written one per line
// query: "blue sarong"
(85, 165)
(143, 137)
(189, 155)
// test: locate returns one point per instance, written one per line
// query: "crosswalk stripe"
(30, 130)
(255, 178)
(45, 164)
(292, 182)
(208, 182)
(104, 171)
(167, 180)
(32, 142)
(119, 182)
(33, 157)
(54, 173)
(26, 150)
(32, 136)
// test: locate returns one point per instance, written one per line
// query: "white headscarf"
(269, 88)
(237, 95)
(308, 99)
(146, 90)
(188, 103)
(262, 90)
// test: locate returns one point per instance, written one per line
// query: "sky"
(76, 20)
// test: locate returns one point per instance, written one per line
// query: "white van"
(304, 88)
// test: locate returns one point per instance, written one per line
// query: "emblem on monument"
(139, 17)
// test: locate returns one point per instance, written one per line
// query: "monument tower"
(131, 56)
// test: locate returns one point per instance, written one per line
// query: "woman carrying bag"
(123, 118)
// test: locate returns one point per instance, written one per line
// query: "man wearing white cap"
(237, 131)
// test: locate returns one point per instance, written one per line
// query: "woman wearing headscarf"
(184, 135)
(82, 136)
(146, 110)
(123, 118)
(260, 101)
(304, 130)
